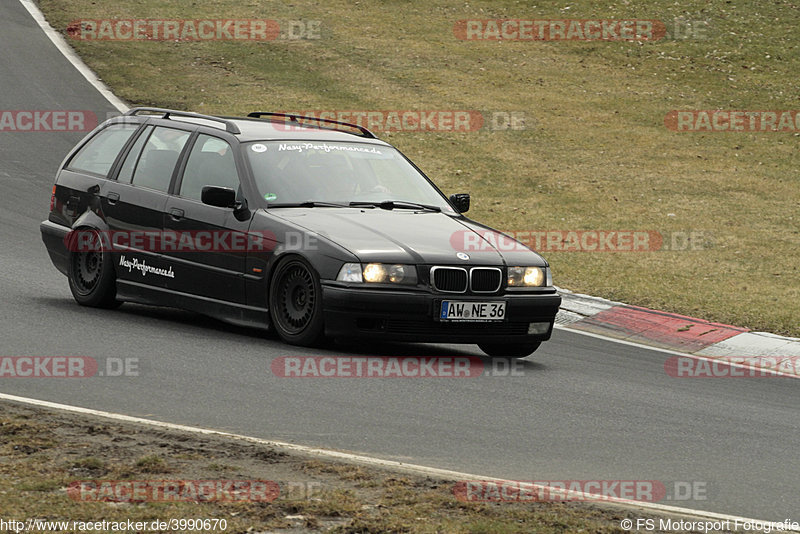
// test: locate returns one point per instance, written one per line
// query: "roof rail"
(229, 126)
(296, 118)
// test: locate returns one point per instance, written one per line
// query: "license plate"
(462, 310)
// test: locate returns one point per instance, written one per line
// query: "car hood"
(407, 236)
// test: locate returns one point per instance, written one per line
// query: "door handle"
(176, 213)
(113, 198)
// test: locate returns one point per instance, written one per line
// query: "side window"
(210, 163)
(159, 156)
(129, 165)
(99, 153)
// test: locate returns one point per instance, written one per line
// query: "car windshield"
(337, 174)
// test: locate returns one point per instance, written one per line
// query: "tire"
(295, 303)
(509, 350)
(91, 276)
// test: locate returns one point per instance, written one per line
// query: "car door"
(210, 243)
(134, 206)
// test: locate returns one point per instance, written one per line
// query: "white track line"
(377, 462)
(72, 57)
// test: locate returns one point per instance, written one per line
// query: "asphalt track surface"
(583, 408)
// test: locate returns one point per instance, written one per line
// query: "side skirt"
(237, 314)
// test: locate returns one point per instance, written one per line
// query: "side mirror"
(222, 197)
(460, 201)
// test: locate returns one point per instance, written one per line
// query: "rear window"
(126, 170)
(98, 155)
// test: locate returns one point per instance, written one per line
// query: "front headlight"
(529, 277)
(378, 273)
(374, 272)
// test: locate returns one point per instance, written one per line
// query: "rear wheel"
(92, 280)
(509, 350)
(295, 303)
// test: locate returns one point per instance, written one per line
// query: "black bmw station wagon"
(311, 227)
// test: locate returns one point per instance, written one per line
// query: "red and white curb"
(674, 332)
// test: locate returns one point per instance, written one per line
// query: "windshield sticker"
(270, 196)
(299, 147)
(259, 148)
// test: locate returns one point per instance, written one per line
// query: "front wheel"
(295, 303)
(92, 280)
(509, 350)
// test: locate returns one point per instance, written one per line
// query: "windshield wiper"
(399, 204)
(308, 204)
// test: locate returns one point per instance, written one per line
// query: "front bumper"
(409, 316)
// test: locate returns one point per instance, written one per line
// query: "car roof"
(265, 126)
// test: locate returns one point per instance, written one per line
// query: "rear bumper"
(410, 316)
(53, 237)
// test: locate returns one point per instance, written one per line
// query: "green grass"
(152, 464)
(595, 155)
